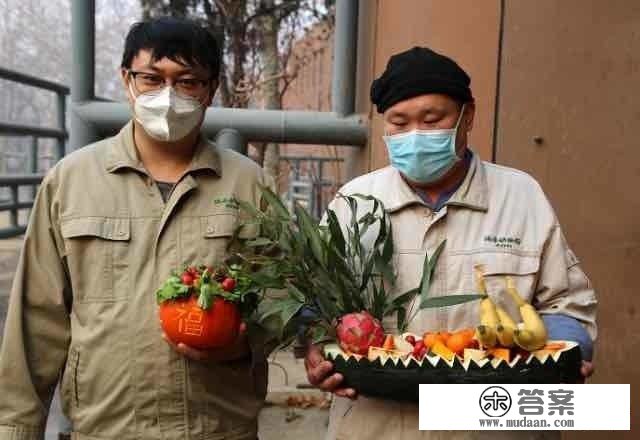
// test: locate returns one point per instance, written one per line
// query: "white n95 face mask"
(165, 115)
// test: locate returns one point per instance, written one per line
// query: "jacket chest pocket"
(216, 231)
(97, 254)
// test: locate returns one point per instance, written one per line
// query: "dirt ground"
(292, 411)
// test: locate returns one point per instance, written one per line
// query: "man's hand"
(586, 369)
(319, 373)
(237, 350)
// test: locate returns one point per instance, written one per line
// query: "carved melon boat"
(397, 378)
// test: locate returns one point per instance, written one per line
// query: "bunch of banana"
(496, 326)
(532, 333)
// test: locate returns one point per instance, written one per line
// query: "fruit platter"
(339, 276)
(497, 351)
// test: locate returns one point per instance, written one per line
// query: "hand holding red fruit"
(200, 313)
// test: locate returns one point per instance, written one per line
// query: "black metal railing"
(8, 128)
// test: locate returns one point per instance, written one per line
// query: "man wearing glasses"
(110, 222)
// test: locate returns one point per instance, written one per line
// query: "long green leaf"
(436, 256)
(310, 230)
(337, 237)
(428, 270)
(403, 299)
(446, 301)
(401, 320)
(295, 293)
(275, 202)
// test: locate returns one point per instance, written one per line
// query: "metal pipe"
(13, 214)
(298, 127)
(61, 107)
(34, 164)
(232, 139)
(343, 83)
(12, 232)
(82, 69)
(21, 179)
(31, 130)
(29, 80)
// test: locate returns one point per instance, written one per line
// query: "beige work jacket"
(99, 243)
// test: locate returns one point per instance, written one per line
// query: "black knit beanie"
(419, 71)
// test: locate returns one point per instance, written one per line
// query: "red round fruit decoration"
(228, 284)
(185, 322)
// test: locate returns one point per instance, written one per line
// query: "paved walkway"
(291, 412)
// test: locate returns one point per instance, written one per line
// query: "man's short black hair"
(180, 40)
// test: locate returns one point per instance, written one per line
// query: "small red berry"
(410, 339)
(187, 279)
(228, 284)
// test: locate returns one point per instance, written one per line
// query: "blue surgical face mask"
(424, 156)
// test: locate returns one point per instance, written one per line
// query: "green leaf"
(260, 241)
(425, 283)
(337, 237)
(385, 268)
(310, 230)
(428, 269)
(436, 256)
(446, 301)
(172, 289)
(402, 320)
(274, 202)
(295, 293)
(402, 300)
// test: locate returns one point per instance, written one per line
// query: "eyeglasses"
(148, 82)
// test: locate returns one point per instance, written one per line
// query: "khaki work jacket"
(100, 241)
(499, 217)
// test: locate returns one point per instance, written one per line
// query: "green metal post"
(232, 139)
(34, 163)
(62, 122)
(14, 210)
(343, 81)
(82, 70)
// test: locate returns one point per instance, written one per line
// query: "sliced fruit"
(376, 352)
(401, 344)
(441, 350)
(555, 346)
(458, 341)
(418, 349)
(500, 353)
(476, 355)
(430, 338)
(388, 343)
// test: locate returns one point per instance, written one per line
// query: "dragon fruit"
(359, 331)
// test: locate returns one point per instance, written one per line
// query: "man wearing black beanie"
(436, 188)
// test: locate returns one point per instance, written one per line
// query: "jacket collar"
(124, 154)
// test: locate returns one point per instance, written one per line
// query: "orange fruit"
(457, 343)
(469, 332)
(460, 340)
(430, 338)
(445, 336)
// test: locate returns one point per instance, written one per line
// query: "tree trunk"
(271, 87)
